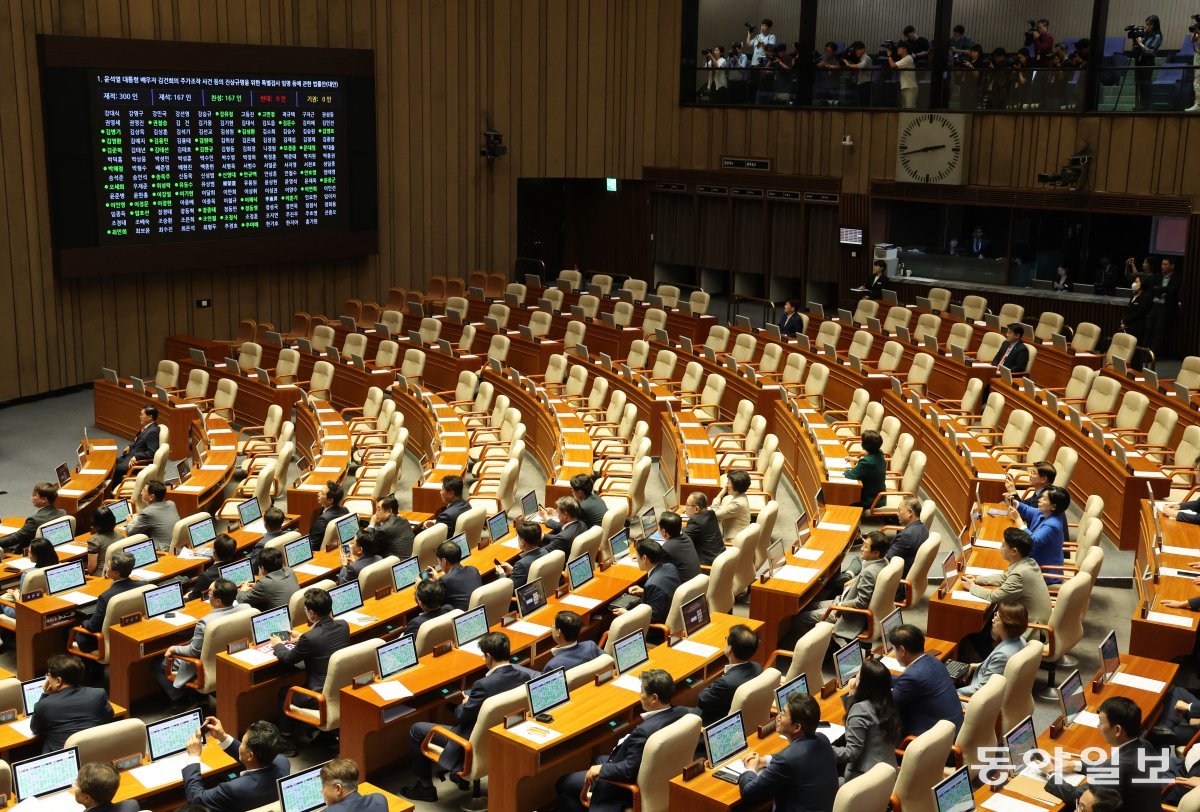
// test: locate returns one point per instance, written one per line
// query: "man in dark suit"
(120, 565)
(500, 676)
(330, 502)
(678, 547)
(263, 765)
(925, 692)
(914, 533)
(978, 246)
(658, 687)
(453, 504)
(801, 778)
(394, 531)
(66, 707)
(95, 787)
(1041, 477)
(314, 648)
(275, 585)
(703, 529)
(224, 551)
(529, 537)
(1165, 311)
(363, 554)
(661, 581)
(339, 789)
(568, 651)
(458, 582)
(1013, 353)
(591, 507)
(43, 498)
(740, 645)
(1120, 727)
(431, 600)
(145, 443)
(791, 322)
(569, 526)
(273, 522)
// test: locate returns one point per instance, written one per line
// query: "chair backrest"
(669, 294)
(960, 335)
(1162, 429)
(1189, 802)
(495, 596)
(498, 348)
(685, 592)
(376, 576)
(911, 481)
(549, 568)
(744, 348)
(1123, 346)
(981, 718)
(869, 792)
(1133, 410)
(386, 353)
(772, 356)
(121, 605)
(602, 281)
(346, 664)
(576, 332)
(571, 277)
(1087, 337)
(637, 287)
(924, 760)
(1017, 428)
(219, 632)
(1065, 460)
(426, 543)
(809, 654)
(655, 319)
(10, 694)
(518, 290)
(590, 305)
(667, 752)
(883, 597)
(1010, 312)
(829, 333)
(430, 330)
(1048, 324)
(698, 302)
(939, 299)
(1066, 618)
(794, 368)
(167, 375)
(393, 320)
(108, 742)
(586, 672)
(622, 314)
(491, 713)
(539, 323)
(623, 625)
(471, 522)
(179, 533)
(720, 581)
(466, 339)
(435, 631)
(927, 325)
(322, 337)
(974, 307)
(890, 357)
(866, 309)
(746, 542)
(754, 698)
(296, 601)
(555, 297)
(918, 573)
(897, 317)
(860, 345)
(587, 542)
(1019, 676)
(664, 365)
(499, 312)
(1032, 349)
(288, 364)
(693, 373)
(1087, 535)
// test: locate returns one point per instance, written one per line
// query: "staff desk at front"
(523, 772)
(1155, 630)
(116, 408)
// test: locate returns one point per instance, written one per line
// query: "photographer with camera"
(1194, 32)
(857, 59)
(1040, 38)
(1147, 40)
(828, 79)
(760, 42)
(968, 75)
(960, 44)
(738, 75)
(998, 82)
(900, 59)
(718, 74)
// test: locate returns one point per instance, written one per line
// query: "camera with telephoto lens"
(887, 47)
(1194, 28)
(751, 27)
(1032, 26)
(1135, 31)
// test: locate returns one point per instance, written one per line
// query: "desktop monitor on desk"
(1110, 656)
(202, 533)
(163, 600)
(406, 573)
(579, 571)
(239, 572)
(725, 739)
(170, 736)
(346, 598)
(954, 794)
(64, 577)
(31, 692)
(1071, 698)
(630, 651)
(696, 615)
(547, 692)
(797, 685)
(470, 627)
(58, 532)
(849, 661)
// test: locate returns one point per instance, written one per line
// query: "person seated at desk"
(591, 507)
(500, 675)
(1129, 758)
(273, 520)
(1041, 477)
(858, 586)
(453, 504)
(42, 554)
(872, 722)
(394, 531)
(679, 549)
(339, 789)
(703, 529)
(431, 600)
(803, 776)
(314, 648)
(569, 526)
(275, 585)
(144, 446)
(120, 566)
(330, 502)
(873, 287)
(363, 554)
(1010, 622)
(458, 581)
(1022, 582)
(529, 538)
(224, 551)
(732, 506)
(662, 580)
(871, 468)
(1013, 354)
(158, 518)
(95, 787)
(43, 497)
(569, 651)
(913, 534)
(66, 706)
(1106, 799)
(1047, 525)
(104, 535)
(223, 599)
(791, 323)
(925, 691)
(623, 764)
(263, 765)
(740, 646)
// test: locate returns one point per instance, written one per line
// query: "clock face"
(931, 148)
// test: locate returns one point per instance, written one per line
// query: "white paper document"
(580, 601)
(535, 732)
(1140, 683)
(839, 528)
(629, 682)
(22, 727)
(20, 564)
(71, 549)
(77, 598)
(1173, 620)
(963, 595)
(252, 656)
(1007, 803)
(310, 569)
(892, 664)
(1087, 719)
(392, 689)
(143, 574)
(163, 771)
(832, 732)
(800, 575)
(531, 629)
(978, 571)
(698, 649)
(991, 545)
(358, 618)
(808, 555)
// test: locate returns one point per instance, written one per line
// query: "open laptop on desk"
(265, 624)
(468, 628)
(48, 778)
(406, 573)
(497, 526)
(849, 660)
(630, 652)
(650, 525)
(31, 692)
(298, 553)
(797, 685)
(201, 534)
(347, 600)
(60, 534)
(144, 555)
(302, 791)
(197, 356)
(530, 598)
(695, 615)
(618, 545)
(398, 655)
(579, 572)
(463, 547)
(120, 511)
(250, 513)
(63, 473)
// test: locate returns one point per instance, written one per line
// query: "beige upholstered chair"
(974, 307)
(978, 732)
(637, 618)
(602, 281)
(746, 542)
(576, 333)
(807, 656)
(588, 542)
(720, 581)
(882, 601)
(121, 605)
(865, 309)
(500, 313)
(669, 295)
(927, 325)
(376, 576)
(1010, 313)
(571, 277)
(637, 287)
(922, 767)
(426, 543)
(103, 744)
(344, 666)
(584, 673)
(322, 338)
(939, 299)
(167, 374)
(869, 792)
(1048, 324)
(667, 752)
(1065, 628)
(539, 323)
(471, 522)
(296, 601)
(219, 632)
(549, 569)
(430, 331)
(495, 596)
(896, 318)
(744, 348)
(755, 697)
(1019, 676)
(918, 574)
(655, 319)
(698, 302)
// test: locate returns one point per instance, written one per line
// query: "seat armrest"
(300, 689)
(468, 751)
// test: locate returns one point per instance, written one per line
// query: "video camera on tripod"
(1134, 32)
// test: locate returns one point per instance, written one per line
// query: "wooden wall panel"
(578, 90)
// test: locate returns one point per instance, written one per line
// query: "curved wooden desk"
(116, 408)
(204, 485)
(433, 425)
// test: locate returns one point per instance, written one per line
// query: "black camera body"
(1135, 31)
(751, 27)
(888, 47)
(1194, 28)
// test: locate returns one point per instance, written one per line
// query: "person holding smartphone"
(356, 558)
(529, 537)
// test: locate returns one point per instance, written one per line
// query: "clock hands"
(924, 149)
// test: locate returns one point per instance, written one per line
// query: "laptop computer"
(163, 600)
(547, 692)
(139, 385)
(183, 470)
(925, 303)
(530, 598)
(1110, 656)
(398, 655)
(197, 356)
(110, 375)
(497, 526)
(45, 775)
(63, 473)
(406, 573)
(773, 331)
(816, 309)
(1060, 342)
(724, 740)
(60, 534)
(1021, 743)
(469, 627)
(618, 544)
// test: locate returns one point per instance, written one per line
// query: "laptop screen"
(498, 526)
(347, 528)
(954, 793)
(64, 577)
(1110, 655)
(63, 472)
(531, 597)
(301, 792)
(470, 627)
(249, 511)
(579, 571)
(1020, 741)
(406, 573)
(548, 691)
(31, 692)
(58, 531)
(396, 656)
(143, 553)
(695, 614)
(725, 738)
(775, 554)
(170, 736)
(119, 510)
(529, 504)
(163, 599)
(1071, 697)
(463, 547)
(268, 623)
(799, 684)
(202, 532)
(45, 774)
(849, 661)
(890, 623)
(649, 524)
(346, 598)
(619, 543)
(631, 651)
(297, 552)
(239, 571)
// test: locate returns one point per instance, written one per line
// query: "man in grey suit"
(222, 599)
(394, 531)
(740, 646)
(158, 518)
(1022, 582)
(856, 594)
(43, 497)
(275, 585)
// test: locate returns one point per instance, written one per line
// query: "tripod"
(1124, 76)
